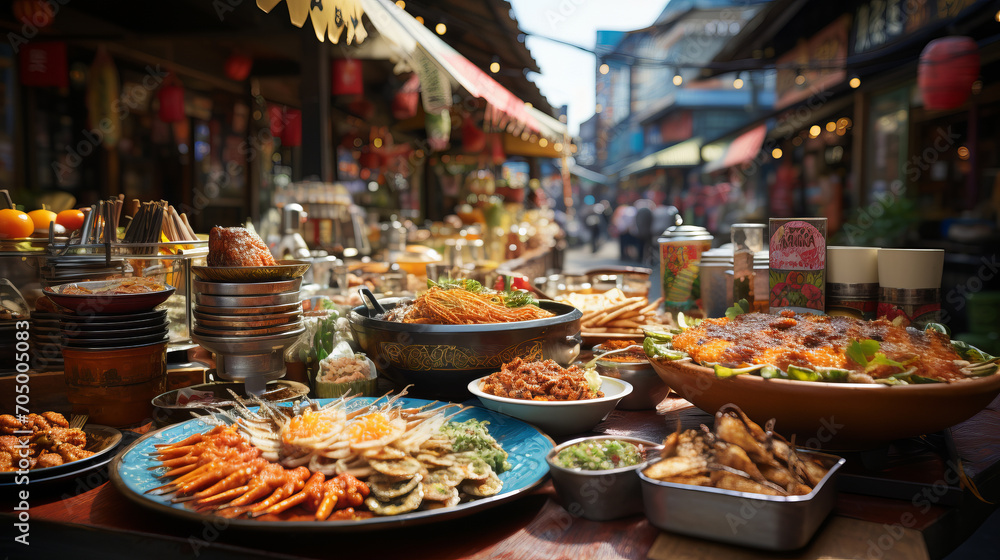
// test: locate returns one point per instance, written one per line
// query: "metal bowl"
(284, 270)
(247, 321)
(246, 288)
(230, 312)
(775, 523)
(281, 390)
(285, 298)
(599, 495)
(648, 389)
(243, 332)
(249, 357)
(441, 360)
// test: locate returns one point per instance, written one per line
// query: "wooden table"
(929, 518)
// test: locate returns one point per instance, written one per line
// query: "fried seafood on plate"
(237, 246)
(737, 455)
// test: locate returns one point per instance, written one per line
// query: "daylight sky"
(567, 76)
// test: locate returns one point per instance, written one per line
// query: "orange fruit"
(70, 219)
(14, 223)
(42, 218)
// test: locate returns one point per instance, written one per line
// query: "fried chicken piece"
(54, 436)
(237, 246)
(55, 419)
(72, 453)
(6, 462)
(9, 424)
(36, 422)
(9, 444)
(46, 460)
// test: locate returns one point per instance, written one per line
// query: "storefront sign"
(43, 64)
(878, 23)
(819, 61)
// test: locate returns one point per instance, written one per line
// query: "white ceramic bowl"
(558, 418)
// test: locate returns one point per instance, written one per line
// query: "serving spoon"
(374, 307)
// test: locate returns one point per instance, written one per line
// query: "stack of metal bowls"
(248, 326)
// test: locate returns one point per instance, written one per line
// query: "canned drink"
(681, 247)
(798, 265)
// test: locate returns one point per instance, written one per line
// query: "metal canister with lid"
(681, 247)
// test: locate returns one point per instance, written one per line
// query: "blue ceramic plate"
(525, 445)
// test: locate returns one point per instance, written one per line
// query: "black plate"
(95, 319)
(109, 343)
(103, 455)
(84, 331)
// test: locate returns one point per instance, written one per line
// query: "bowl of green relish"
(595, 477)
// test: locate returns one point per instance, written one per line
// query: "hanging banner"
(330, 18)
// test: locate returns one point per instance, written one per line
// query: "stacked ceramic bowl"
(248, 326)
(46, 341)
(125, 330)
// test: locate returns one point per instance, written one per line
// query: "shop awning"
(584, 173)
(682, 154)
(440, 67)
(743, 149)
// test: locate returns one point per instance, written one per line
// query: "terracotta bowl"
(833, 416)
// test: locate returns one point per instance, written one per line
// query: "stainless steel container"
(246, 289)
(598, 495)
(248, 301)
(648, 390)
(767, 522)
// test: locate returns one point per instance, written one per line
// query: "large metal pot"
(440, 360)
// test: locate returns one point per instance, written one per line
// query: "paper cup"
(852, 265)
(910, 269)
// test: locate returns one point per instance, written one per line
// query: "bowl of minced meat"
(337, 376)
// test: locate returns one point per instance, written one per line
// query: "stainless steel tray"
(247, 288)
(248, 301)
(767, 522)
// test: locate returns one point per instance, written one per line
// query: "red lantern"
(171, 97)
(43, 64)
(404, 104)
(238, 66)
(347, 78)
(473, 137)
(276, 119)
(292, 135)
(35, 12)
(948, 67)
(407, 99)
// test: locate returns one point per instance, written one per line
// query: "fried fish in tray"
(237, 246)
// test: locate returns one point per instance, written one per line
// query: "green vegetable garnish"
(473, 437)
(739, 308)
(866, 354)
(723, 371)
(511, 298)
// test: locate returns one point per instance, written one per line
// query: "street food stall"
(346, 376)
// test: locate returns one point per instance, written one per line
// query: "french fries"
(611, 313)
